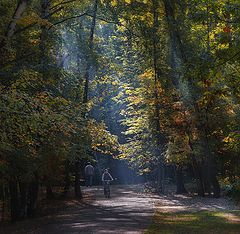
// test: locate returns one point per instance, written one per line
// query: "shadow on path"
(125, 212)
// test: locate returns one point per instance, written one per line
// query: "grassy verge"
(196, 222)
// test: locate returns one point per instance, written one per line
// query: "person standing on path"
(89, 172)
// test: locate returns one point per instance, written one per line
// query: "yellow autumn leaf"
(114, 3)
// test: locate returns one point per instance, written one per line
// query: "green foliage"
(43, 119)
(136, 58)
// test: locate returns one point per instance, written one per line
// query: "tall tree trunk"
(14, 199)
(196, 168)
(32, 196)
(67, 180)
(161, 141)
(91, 44)
(86, 92)
(23, 199)
(45, 8)
(78, 192)
(211, 167)
(180, 182)
(211, 178)
(3, 198)
(198, 175)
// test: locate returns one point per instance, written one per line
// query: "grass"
(195, 223)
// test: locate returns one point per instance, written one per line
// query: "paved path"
(127, 211)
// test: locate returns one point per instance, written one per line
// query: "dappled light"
(197, 222)
(119, 115)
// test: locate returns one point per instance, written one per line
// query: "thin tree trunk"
(86, 93)
(78, 192)
(3, 203)
(199, 177)
(45, 8)
(179, 179)
(91, 44)
(210, 160)
(66, 180)
(210, 164)
(160, 137)
(32, 196)
(196, 168)
(23, 199)
(14, 199)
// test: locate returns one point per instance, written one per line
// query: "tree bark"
(78, 192)
(86, 93)
(91, 44)
(32, 197)
(14, 199)
(66, 180)
(3, 198)
(23, 199)
(196, 169)
(161, 141)
(45, 8)
(21, 7)
(179, 179)
(199, 177)
(212, 181)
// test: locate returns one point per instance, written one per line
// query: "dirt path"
(127, 211)
(176, 203)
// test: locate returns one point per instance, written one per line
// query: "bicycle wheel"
(105, 192)
(108, 192)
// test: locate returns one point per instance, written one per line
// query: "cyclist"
(106, 179)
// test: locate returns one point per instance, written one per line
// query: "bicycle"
(106, 184)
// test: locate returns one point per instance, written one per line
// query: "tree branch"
(61, 21)
(33, 24)
(22, 5)
(227, 60)
(62, 3)
(114, 22)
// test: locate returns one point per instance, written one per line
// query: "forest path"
(127, 211)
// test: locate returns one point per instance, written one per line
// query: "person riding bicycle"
(106, 179)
